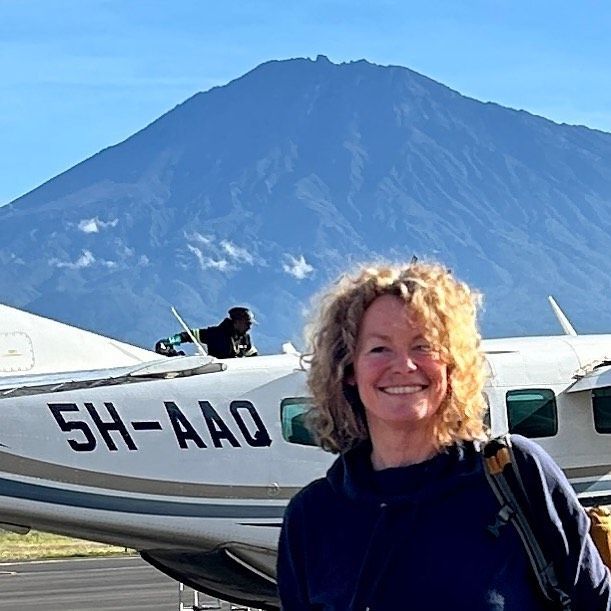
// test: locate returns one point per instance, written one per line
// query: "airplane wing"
(167, 368)
(31, 344)
(598, 378)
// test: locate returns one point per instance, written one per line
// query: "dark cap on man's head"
(239, 312)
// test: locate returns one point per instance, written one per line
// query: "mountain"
(260, 191)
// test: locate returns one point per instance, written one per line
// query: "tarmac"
(109, 584)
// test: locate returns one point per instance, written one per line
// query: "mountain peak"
(261, 190)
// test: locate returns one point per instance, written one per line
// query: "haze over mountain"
(260, 191)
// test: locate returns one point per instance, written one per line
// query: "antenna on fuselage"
(183, 324)
(288, 348)
(562, 319)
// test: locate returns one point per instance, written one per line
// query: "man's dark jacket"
(222, 341)
(416, 538)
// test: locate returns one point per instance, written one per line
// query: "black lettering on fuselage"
(260, 437)
(115, 424)
(183, 429)
(217, 427)
(111, 426)
(76, 425)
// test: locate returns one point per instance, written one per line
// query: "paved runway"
(80, 584)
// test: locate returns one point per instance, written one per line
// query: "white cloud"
(85, 260)
(297, 267)
(222, 265)
(237, 253)
(88, 226)
(198, 237)
(209, 263)
(222, 254)
(95, 224)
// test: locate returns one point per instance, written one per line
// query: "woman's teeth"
(402, 390)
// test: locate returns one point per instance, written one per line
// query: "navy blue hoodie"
(416, 537)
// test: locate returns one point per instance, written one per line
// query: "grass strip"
(39, 546)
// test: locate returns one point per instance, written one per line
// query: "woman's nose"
(405, 362)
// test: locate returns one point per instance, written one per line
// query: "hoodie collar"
(353, 476)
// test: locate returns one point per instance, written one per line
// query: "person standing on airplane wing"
(229, 339)
(406, 518)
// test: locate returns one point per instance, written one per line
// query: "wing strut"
(184, 325)
(562, 319)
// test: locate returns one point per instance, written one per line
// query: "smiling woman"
(403, 518)
(423, 304)
(401, 381)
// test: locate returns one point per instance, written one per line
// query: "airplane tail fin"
(562, 319)
(34, 344)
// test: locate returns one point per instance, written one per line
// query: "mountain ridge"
(274, 181)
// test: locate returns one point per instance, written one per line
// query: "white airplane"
(192, 460)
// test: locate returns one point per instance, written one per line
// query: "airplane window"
(601, 403)
(293, 417)
(532, 412)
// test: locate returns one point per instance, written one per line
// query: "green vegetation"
(37, 545)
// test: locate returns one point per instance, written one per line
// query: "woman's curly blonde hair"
(447, 308)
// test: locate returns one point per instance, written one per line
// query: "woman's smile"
(399, 376)
(403, 390)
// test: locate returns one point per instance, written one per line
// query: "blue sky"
(77, 76)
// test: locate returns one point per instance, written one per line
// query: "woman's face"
(400, 379)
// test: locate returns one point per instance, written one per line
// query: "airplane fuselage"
(199, 463)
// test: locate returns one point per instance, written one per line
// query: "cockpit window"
(601, 403)
(293, 412)
(532, 412)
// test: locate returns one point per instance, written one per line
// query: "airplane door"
(292, 465)
(16, 352)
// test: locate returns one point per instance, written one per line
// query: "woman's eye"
(377, 349)
(423, 348)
